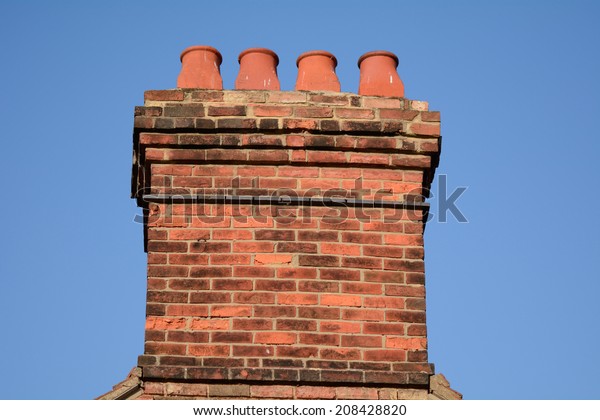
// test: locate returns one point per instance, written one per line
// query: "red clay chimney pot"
(378, 75)
(200, 68)
(258, 70)
(316, 71)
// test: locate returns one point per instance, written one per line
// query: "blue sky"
(512, 295)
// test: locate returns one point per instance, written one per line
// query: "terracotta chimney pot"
(200, 68)
(378, 75)
(258, 70)
(316, 71)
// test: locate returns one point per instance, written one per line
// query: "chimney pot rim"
(317, 52)
(202, 48)
(378, 53)
(259, 50)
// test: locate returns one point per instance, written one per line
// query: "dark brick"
(318, 261)
(204, 124)
(274, 235)
(361, 126)
(330, 125)
(164, 123)
(163, 372)
(187, 110)
(269, 124)
(207, 373)
(236, 123)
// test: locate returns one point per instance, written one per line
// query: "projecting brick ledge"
(413, 377)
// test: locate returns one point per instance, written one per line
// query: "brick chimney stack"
(284, 232)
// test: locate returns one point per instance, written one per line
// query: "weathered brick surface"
(284, 294)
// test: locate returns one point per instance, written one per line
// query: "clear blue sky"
(513, 294)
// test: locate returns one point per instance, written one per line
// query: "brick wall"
(284, 233)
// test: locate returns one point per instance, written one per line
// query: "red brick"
(167, 271)
(274, 235)
(155, 323)
(384, 302)
(272, 259)
(164, 348)
(210, 324)
(339, 274)
(272, 391)
(351, 393)
(340, 354)
(230, 337)
(295, 123)
(230, 311)
(297, 273)
(187, 310)
(276, 285)
(381, 102)
(302, 352)
(210, 272)
(362, 238)
(362, 262)
(318, 260)
(319, 286)
(315, 393)
(406, 343)
(354, 113)
(424, 129)
(313, 112)
(361, 341)
(189, 284)
(396, 290)
(404, 265)
(326, 157)
(381, 328)
(320, 236)
(275, 311)
(188, 336)
(403, 239)
(417, 330)
(292, 171)
(318, 313)
(272, 111)
(362, 288)
(242, 271)
(275, 338)
(163, 95)
(210, 297)
(254, 297)
(363, 314)
(384, 277)
(398, 114)
(253, 351)
(229, 259)
(296, 325)
(433, 116)
(253, 247)
(204, 350)
(385, 355)
(341, 327)
(252, 222)
(188, 259)
(320, 339)
(297, 299)
(340, 300)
